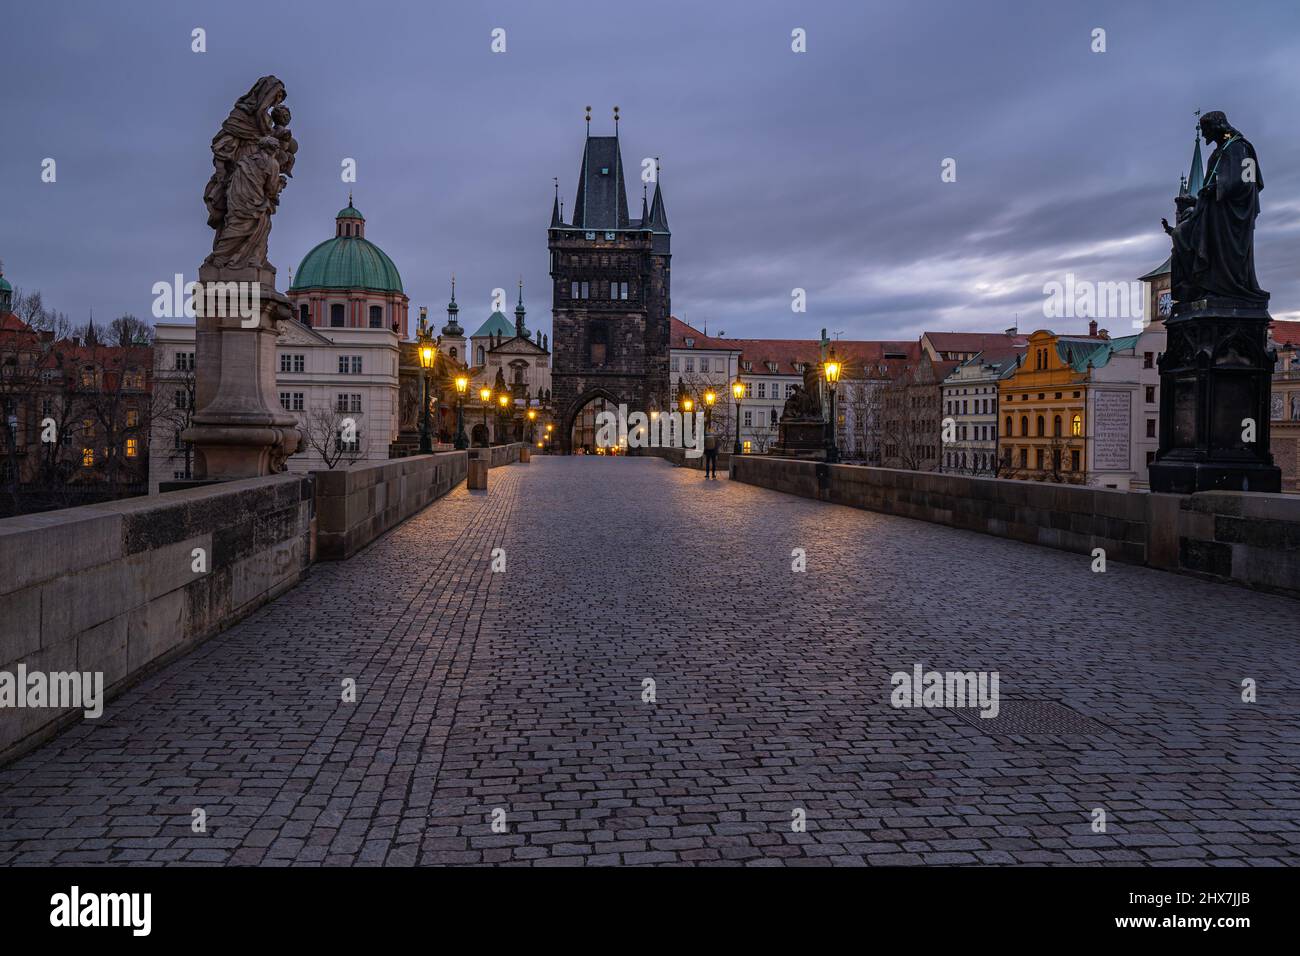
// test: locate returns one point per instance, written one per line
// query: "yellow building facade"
(1041, 426)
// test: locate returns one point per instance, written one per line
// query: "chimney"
(1010, 331)
(1103, 334)
(1092, 328)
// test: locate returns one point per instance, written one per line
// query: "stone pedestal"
(477, 476)
(804, 439)
(1215, 380)
(239, 429)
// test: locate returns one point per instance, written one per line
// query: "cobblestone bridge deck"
(523, 691)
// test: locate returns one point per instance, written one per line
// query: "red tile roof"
(680, 332)
(1285, 333)
(974, 341)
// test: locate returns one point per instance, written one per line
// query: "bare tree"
(325, 430)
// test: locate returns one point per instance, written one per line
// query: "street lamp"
(737, 392)
(503, 403)
(709, 398)
(427, 351)
(832, 369)
(462, 386)
(532, 417)
(485, 396)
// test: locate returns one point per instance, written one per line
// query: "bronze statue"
(252, 158)
(1214, 238)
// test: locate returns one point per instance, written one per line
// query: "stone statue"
(1214, 238)
(252, 158)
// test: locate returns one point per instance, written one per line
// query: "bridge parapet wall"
(1247, 538)
(124, 587)
(354, 506)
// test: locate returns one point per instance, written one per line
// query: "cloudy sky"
(817, 170)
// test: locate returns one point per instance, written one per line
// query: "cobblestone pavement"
(523, 691)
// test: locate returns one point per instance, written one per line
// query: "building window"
(1038, 458)
(600, 344)
(622, 290)
(1024, 458)
(376, 316)
(132, 418)
(1056, 426)
(291, 401)
(184, 361)
(1148, 359)
(673, 363)
(1151, 394)
(1024, 424)
(1151, 428)
(87, 457)
(1008, 426)
(1074, 460)
(704, 364)
(356, 402)
(1076, 426)
(304, 313)
(132, 447)
(181, 398)
(749, 389)
(284, 403)
(749, 419)
(747, 446)
(336, 316)
(762, 389)
(350, 364)
(481, 356)
(341, 403)
(690, 363)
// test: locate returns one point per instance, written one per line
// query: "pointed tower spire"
(556, 220)
(521, 330)
(645, 208)
(658, 215)
(452, 329)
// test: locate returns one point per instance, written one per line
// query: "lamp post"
(503, 403)
(428, 352)
(832, 369)
(485, 396)
(462, 386)
(737, 392)
(532, 417)
(709, 398)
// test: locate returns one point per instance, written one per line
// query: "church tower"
(611, 280)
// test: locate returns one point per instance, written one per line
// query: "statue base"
(239, 430)
(1215, 385)
(805, 440)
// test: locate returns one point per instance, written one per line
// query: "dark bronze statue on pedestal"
(1216, 372)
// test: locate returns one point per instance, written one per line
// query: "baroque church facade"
(611, 280)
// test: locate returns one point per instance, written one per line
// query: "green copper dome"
(4, 285)
(349, 212)
(347, 262)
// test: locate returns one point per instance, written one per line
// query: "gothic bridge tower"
(611, 278)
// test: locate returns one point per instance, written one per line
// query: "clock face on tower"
(1165, 303)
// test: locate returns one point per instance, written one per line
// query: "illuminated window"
(132, 418)
(132, 447)
(1076, 425)
(747, 447)
(87, 457)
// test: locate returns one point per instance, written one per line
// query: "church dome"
(347, 261)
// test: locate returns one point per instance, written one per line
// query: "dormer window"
(690, 343)
(771, 366)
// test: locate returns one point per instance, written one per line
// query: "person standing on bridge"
(711, 455)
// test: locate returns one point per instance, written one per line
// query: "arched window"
(1008, 425)
(1076, 425)
(304, 314)
(1056, 426)
(1042, 427)
(1024, 424)
(376, 316)
(481, 356)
